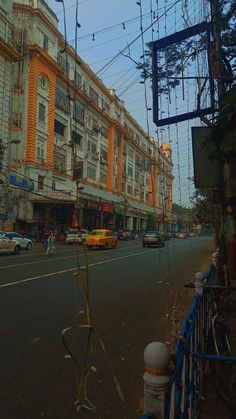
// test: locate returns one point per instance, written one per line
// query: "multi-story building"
(73, 129)
(9, 54)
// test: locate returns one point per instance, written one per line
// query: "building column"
(120, 162)
(153, 185)
(32, 111)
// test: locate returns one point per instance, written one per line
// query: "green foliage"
(180, 55)
(203, 207)
(185, 216)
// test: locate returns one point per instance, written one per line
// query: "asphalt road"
(133, 291)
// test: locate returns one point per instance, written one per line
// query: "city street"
(132, 293)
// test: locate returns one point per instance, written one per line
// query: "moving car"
(24, 242)
(74, 235)
(8, 245)
(101, 238)
(153, 238)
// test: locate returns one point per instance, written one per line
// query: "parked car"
(75, 235)
(24, 242)
(153, 238)
(29, 236)
(9, 245)
(101, 238)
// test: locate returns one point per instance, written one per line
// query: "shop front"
(92, 216)
(108, 216)
(118, 218)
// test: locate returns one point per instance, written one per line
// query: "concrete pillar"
(156, 378)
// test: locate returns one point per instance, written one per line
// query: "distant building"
(71, 125)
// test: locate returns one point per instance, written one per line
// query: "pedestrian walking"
(46, 234)
(51, 248)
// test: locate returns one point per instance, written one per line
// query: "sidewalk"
(211, 405)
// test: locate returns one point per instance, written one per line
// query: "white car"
(23, 241)
(74, 235)
(8, 245)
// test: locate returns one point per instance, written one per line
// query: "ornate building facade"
(68, 124)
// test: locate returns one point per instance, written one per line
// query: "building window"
(91, 147)
(42, 113)
(78, 112)
(105, 106)
(93, 95)
(78, 79)
(53, 185)
(43, 82)
(41, 182)
(59, 128)
(91, 171)
(59, 158)
(104, 131)
(76, 137)
(103, 177)
(130, 171)
(63, 63)
(45, 42)
(62, 101)
(103, 155)
(130, 152)
(40, 150)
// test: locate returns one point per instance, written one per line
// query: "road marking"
(37, 261)
(52, 260)
(10, 284)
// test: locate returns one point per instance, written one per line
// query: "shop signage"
(107, 208)
(22, 182)
(92, 205)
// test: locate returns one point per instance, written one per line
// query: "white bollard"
(156, 378)
(199, 279)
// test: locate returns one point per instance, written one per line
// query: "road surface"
(133, 291)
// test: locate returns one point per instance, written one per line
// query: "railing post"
(199, 278)
(156, 378)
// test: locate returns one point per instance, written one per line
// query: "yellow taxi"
(101, 238)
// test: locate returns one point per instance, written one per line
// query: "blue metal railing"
(189, 352)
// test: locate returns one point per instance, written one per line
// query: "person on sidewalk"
(51, 249)
(46, 234)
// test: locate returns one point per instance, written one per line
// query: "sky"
(107, 27)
